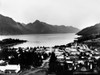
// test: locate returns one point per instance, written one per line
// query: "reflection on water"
(42, 39)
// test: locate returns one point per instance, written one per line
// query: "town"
(72, 59)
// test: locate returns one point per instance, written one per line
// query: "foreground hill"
(90, 30)
(10, 27)
(90, 36)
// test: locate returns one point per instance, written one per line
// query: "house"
(8, 67)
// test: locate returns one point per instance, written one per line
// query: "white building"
(9, 67)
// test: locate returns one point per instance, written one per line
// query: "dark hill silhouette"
(90, 30)
(10, 27)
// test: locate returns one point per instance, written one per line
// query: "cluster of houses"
(78, 57)
(5, 67)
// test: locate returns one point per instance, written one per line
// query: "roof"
(10, 67)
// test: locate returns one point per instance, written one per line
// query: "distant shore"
(10, 42)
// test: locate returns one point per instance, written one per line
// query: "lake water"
(49, 40)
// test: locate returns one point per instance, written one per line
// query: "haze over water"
(47, 40)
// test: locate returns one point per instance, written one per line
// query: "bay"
(47, 40)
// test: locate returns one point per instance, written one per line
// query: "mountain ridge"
(10, 27)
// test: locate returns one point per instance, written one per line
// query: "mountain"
(10, 27)
(23, 29)
(90, 36)
(39, 27)
(90, 30)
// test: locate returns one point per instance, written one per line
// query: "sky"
(77, 13)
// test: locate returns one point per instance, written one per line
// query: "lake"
(48, 40)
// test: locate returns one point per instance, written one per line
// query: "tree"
(53, 63)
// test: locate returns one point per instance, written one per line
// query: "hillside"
(10, 27)
(90, 36)
(90, 30)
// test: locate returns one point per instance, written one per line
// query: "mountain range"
(95, 29)
(10, 27)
